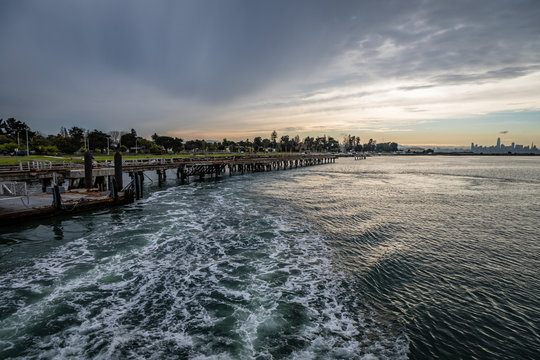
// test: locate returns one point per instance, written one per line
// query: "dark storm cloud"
(87, 62)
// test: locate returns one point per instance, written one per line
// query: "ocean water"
(389, 257)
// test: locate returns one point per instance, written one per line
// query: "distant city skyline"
(501, 148)
(413, 72)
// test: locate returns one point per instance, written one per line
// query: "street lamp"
(27, 145)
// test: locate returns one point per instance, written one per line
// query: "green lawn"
(14, 160)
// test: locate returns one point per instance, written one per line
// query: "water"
(391, 257)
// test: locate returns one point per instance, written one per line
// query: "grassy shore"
(14, 160)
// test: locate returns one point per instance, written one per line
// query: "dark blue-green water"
(389, 257)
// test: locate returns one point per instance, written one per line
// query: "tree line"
(13, 135)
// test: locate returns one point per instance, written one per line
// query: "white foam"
(155, 295)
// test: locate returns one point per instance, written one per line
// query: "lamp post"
(27, 145)
(136, 148)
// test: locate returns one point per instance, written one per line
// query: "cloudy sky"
(415, 72)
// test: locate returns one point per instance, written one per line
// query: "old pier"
(68, 188)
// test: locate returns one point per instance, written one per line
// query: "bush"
(123, 148)
(9, 147)
(155, 149)
(4, 139)
(50, 150)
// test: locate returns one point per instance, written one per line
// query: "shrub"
(50, 150)
(9, 147)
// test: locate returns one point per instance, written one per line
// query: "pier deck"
(14, 209)
(83, 183)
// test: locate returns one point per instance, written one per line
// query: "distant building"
(502, 149)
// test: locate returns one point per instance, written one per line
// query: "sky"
(415, 72)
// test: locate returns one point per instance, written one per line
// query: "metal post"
(27, 145)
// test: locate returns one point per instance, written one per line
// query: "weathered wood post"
(141, 182)
(88, 169)
(137, 186)
(44, 184)
(114, 189)
(57, 200)
(160, 177)
(183, 174)
(118, 170)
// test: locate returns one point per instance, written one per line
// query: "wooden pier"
(15, 209)
(97, 185)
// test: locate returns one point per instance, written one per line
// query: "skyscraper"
(498, 143)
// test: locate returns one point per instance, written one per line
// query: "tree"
(66, 145)
(273, 137)
(77, 133)
(147, 146)
(284, 143)
(128, 139)
(63, 132)
(257, 143)
(98, 139)
(115, 136)
(39, 143)
(8, 147)
(309, 143)
(332, 144)
(266, 143)
(4, 139)
(295, 143)
(13, 128)
(371, 145)
(167, 142)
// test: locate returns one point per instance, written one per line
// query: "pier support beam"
(57, 200)
(44, 184)
(118, 170)
(160, 177)
(141, 182)
(88, 169)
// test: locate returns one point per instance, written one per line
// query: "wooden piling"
(160, 177)
(57, 200)
(118, 170)
(88, 169)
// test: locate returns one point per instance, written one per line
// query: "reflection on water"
(426, 257)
